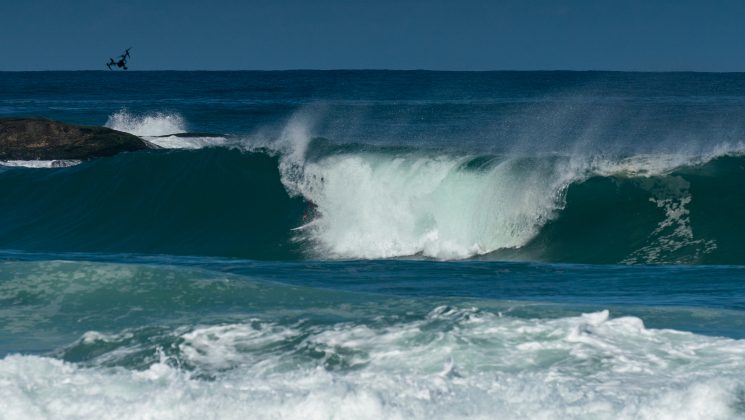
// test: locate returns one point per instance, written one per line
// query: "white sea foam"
(151, 124)
(40, 163)
(161, 128)
(674, 233)
(177, 142)
(453, 363)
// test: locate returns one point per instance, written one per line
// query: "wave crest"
(152, 124)
(167, 130)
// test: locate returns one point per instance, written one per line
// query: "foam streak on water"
(40, 163)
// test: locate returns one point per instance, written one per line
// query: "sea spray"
(167, 130)
(149, 124)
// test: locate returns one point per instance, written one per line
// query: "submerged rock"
(44, 139)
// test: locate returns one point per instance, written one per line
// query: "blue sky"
(403, 34)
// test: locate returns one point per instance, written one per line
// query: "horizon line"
(381, 70)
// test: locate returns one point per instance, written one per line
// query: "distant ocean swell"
(297, 197)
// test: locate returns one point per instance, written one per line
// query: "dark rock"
(44, 139)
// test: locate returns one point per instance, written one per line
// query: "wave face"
(686, 216)
(320, 200)
(215, 202)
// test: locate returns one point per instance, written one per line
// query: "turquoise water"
(378, 245)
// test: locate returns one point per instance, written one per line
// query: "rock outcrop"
(44, 139)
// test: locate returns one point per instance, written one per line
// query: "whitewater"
(362, 244)
(268, 350)
(523, 368)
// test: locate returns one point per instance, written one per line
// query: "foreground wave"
(320, 200)
(134, 341)
(582, 367)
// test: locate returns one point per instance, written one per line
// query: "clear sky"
(382, 34)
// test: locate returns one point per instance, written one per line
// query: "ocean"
(378, 244)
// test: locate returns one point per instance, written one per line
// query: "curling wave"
(377, 203)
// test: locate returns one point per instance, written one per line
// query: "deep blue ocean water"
(378, 244)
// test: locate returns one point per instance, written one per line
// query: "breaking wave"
(304, 197)
(392, 202)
